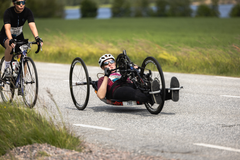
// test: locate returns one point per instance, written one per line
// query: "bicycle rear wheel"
(6, 84)
(29, 82)
(152, 64)
(79, 83)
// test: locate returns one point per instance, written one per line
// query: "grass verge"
(23, 126)
(188, 45)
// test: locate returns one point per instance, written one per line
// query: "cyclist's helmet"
(104, 58)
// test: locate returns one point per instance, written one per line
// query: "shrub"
(88, 9)
(142, 9)
(5, 4)
(121, 8)
(203, 11)
(46, 8)
(161, 6)
(179, 8)
(235, 12)
(214, 7)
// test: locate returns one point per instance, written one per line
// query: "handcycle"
(24, 75)
(79, 82)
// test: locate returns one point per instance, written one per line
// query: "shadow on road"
(126, 110)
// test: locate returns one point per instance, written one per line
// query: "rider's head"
(106, 60)
(19, 5)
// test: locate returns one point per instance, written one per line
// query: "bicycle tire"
(29, 82)
(79, 75)
(150, 63)
(6, 87)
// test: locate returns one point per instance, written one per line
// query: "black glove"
(107, 72)
(11, 41)
(38, 39)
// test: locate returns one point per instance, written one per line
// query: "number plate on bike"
(129, 103)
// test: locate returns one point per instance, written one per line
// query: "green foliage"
(179, 8)
(5, 4)
(121, 8)
(214, 7)
(161, 8)
(46, 8)
(204, 10)
(23, 126)
(235, 12)
(88, 9)
(142, 9)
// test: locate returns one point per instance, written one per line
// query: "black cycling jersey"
(16, 20)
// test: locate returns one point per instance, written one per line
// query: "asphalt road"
(203, 124)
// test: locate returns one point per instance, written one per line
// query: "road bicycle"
(79, 82)
(23, 77)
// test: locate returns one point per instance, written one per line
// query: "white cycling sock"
(7, 64)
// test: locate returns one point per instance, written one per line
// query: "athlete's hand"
(11, 43)
(107, 72)
(39, 40)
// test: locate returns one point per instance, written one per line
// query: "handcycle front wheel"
(150, 63)
(6, 85)
(29, 82)
(79, 83)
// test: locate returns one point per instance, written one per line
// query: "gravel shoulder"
(91, 151)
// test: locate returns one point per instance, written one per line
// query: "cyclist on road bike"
(112, 87)
(14, 19)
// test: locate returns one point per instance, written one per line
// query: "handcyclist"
(112, 87)
(14, 19)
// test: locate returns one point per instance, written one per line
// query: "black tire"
(152, 64)
(79, 83)
(29, 82)
(6, 85)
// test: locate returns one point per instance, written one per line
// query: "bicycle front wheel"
(6, 84)
(29, 82)
(152, 64)
(79, 83)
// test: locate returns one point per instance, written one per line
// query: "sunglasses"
(107, 62)
(20, 2)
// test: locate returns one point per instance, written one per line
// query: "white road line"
(230, 96)
(217, 147)
(95, 127)
(227, 77)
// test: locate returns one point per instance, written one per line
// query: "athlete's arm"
(33, 28)
(102, 90)
(8, 33)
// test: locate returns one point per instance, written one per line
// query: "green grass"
(189, 45)
(23, 126)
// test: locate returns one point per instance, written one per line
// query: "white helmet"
(104, 58)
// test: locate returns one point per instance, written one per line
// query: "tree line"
(123, 8)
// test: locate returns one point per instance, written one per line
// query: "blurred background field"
(189, 45)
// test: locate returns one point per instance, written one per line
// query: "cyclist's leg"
(126, 93)
(8, 58)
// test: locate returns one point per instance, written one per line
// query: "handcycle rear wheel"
(79, 83)
(6, 85)
(29, 82)
(150, 63)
